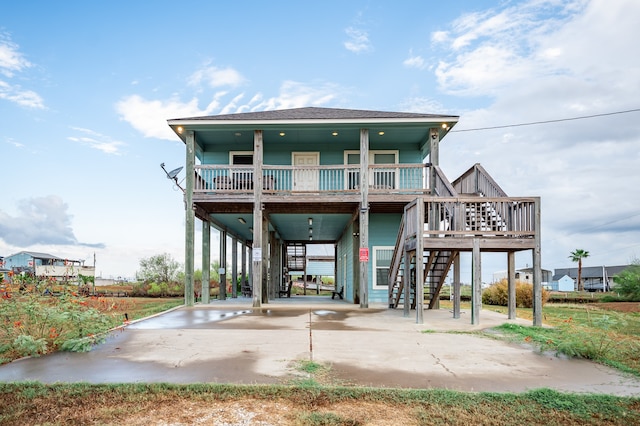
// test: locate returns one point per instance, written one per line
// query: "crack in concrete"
(439, 362)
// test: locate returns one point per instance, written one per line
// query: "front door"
(305, 175)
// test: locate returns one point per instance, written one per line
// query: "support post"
(206, 261)
(190, 219)
(256, 255)
(420, 262)
(265, 259)
(406, 275)
(222, 294)
(511, 284)
(364, 215)
(456, 287)
(476, 284)
(244, 262)
(234, 267)
(537, 269)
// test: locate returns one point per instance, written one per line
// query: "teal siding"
(281, 155)
(383, 231)
(345, 266)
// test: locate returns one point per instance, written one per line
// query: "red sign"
(364, 254)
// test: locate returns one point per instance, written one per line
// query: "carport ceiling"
(290, 227)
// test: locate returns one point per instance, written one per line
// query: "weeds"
(32, 324)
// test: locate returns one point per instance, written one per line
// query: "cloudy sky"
(548, 92)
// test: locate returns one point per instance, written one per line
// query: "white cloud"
(545, 60)
(97, 141)
(12, 61)
(41, 220)
(358, 40)
(215, 77)
(414, 61)
(295, 94)
(150, 117)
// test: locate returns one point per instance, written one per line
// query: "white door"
(305, 178)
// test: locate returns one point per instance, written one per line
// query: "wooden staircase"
(477, 217)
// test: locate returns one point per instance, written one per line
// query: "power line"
(533, 123)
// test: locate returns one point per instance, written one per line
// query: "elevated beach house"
(366, 182)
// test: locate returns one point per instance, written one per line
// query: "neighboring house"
(4, 272)
(363, 181)
(524, 275)
(43, 265)
(562, 283)
(595, 278)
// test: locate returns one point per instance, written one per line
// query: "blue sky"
(86, 89)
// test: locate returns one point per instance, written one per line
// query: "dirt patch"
(620, 306)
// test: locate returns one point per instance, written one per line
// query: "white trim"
(372, 154)
(374, 257)
(232, 153)
(316, 153)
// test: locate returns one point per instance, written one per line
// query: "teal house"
(367, 183)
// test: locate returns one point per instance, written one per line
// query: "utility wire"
(533, 123)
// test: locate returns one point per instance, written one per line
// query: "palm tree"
(577, 256)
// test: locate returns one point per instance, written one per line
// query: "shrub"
(498, 294)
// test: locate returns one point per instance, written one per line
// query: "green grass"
(585, 331)
(34, 403)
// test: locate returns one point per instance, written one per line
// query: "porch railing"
(472, 216)
(383, 178)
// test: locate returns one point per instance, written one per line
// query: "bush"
(628, 282)
(498, 294)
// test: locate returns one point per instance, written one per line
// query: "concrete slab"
(231, 342)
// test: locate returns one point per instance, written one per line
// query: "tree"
(577, 256)
(159, 268)
(628, 281)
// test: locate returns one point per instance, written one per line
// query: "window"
(241, 177)
(241, 158)
(381, 265)
(381, 178)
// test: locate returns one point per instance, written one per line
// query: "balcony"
(317, 181)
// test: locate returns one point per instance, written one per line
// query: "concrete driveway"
(230, 342)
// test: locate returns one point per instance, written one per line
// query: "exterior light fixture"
(310, 238)
(241, 220)
(310, 221)
(381, 132)
(445, 126)
(282, 133)
(334, 133)
(310, 230)
(180, 129)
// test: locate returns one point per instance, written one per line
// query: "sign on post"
(364, 254)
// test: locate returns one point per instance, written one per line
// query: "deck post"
(364, 215)
(206, 261)
(265, 259)
(222, 293)
(476, 283)
(234, 267)
(243, 272)
(190, 219)
(537, 269)
(406, 275)
(511, 284)
(256, 255)
(419, 268)
(456, 287)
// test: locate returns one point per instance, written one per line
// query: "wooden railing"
(383, 178)
(476, 180)
(472, 217)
